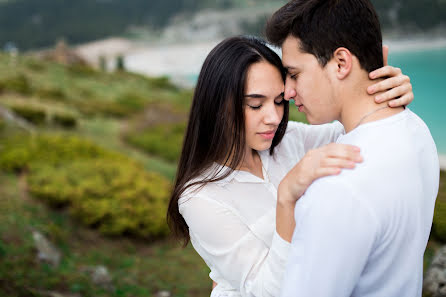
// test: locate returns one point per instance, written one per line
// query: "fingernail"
(357, 149)
(378, 99)
(371, 89)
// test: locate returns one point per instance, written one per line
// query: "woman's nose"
(273, 115)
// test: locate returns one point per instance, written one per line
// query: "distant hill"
(34, 24)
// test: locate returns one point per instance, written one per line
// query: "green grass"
(137, 268)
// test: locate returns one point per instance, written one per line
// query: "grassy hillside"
(90, 169)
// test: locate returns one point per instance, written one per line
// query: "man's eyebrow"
(287, 68)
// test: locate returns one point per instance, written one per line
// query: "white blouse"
(232, 222)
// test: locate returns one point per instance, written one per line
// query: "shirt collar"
(240, 175)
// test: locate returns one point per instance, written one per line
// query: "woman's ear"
(344, 61)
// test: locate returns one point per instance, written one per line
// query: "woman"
(237, 148)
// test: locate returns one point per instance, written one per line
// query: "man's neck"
(359, 108)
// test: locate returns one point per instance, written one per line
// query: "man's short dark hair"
(325, 25)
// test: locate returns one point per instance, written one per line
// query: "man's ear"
(344, 62)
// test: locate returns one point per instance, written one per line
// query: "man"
(364, 231)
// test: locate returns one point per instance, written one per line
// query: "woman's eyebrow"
(255, 96)
(260, 96)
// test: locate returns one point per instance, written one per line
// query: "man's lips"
(300, 107)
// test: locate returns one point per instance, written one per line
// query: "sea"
(427, 71)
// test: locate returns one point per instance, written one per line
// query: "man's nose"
(290, 91)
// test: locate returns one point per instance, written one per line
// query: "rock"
(163, 294)
(435, 279)
(46, 251)
(99, 276)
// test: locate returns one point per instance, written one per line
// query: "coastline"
(414, 44)
(442, 159)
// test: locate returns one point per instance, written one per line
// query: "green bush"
(81, 70)
(32, 114)
(18, 83)
(102, 107)
(50, 93)
(35, 65)
(19, 152)
(131, 102)
(439, 224)
(64, 120)
(2, 124)
(161, 82)
(164, 140)
(116, 197)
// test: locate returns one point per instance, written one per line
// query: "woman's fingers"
(338, 163)
(385, 54)
(389, 83)
(403, 101)
(326, 171)
(386, 71)
(394, 93)
(343, 151)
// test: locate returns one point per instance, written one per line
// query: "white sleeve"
(313, 136)
(334, 236)
(228, 246)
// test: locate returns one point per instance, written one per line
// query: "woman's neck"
(252, 163)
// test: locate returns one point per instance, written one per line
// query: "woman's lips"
(268, 134)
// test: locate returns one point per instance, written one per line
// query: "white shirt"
(232, 223)
(364, 232)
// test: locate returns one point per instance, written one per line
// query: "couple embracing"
(341, 207)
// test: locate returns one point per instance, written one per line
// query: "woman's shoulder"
(199, 187)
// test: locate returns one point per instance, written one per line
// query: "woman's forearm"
(285, 222)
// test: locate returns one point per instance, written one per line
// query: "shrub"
(161, 82)
(114, 196)
(64, 120)
(131, 102)
(50, 93)
(33, 115)
(35, 65)
(439, 224)
(18, 83)
(81, 70)
(164, 140)
(2, 124)
(19, 152)
(101, 107)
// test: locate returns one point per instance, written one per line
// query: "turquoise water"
(427, 70)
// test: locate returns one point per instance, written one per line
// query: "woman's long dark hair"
(216, 127)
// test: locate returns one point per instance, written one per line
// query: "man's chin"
(316, 121)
